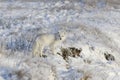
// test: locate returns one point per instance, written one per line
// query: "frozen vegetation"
(91, 50)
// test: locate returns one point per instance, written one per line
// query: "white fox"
(47, 40)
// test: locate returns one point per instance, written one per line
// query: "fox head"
(62, 35)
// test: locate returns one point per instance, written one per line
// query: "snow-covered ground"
(93, 26)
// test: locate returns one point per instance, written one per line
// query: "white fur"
(47, 40)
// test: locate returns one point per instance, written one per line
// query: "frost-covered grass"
(90, 25)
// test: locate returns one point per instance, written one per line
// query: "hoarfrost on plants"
(92, 26)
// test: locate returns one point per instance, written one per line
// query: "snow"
(94, 27)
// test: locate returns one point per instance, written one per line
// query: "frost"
(92, 25)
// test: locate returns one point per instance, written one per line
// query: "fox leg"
(41, 51)
(52, 48)
(36, 50)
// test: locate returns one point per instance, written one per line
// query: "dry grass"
(22, 75)
(70, 51)
(86, 76)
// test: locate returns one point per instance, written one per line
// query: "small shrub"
(109, 57)
(70, 51)
(22, 75)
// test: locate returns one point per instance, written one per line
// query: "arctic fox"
(47, 40)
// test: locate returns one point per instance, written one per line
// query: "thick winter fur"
(47, 40)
